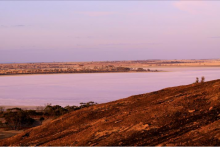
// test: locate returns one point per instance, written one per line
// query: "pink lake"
(71, 89)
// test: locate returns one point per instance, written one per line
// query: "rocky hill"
(184, 115)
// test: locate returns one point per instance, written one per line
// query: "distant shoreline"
(153, 68)
(20, 106)
(25, 74)
(102, 67)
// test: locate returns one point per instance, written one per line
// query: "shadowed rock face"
(184, 115)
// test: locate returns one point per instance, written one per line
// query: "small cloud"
(18, 26)
(12, 26)
(97, 13)
(78, 37)
(215, 37)
(192, 7)
(127, 44)
(113, 44)
(3, 26)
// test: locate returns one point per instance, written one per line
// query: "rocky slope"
(184, 115)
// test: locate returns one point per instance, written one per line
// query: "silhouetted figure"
(202, 79)
(197, 80)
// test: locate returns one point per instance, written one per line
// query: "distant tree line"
(16, 118)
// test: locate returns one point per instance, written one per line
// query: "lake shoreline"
(155, 69)
(24, 107)
(25, 74)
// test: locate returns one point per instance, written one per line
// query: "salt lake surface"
(71, 89)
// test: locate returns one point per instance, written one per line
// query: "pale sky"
(47, 31)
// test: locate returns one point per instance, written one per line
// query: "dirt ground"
(7, 134)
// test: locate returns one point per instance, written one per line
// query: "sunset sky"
(47, 31)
